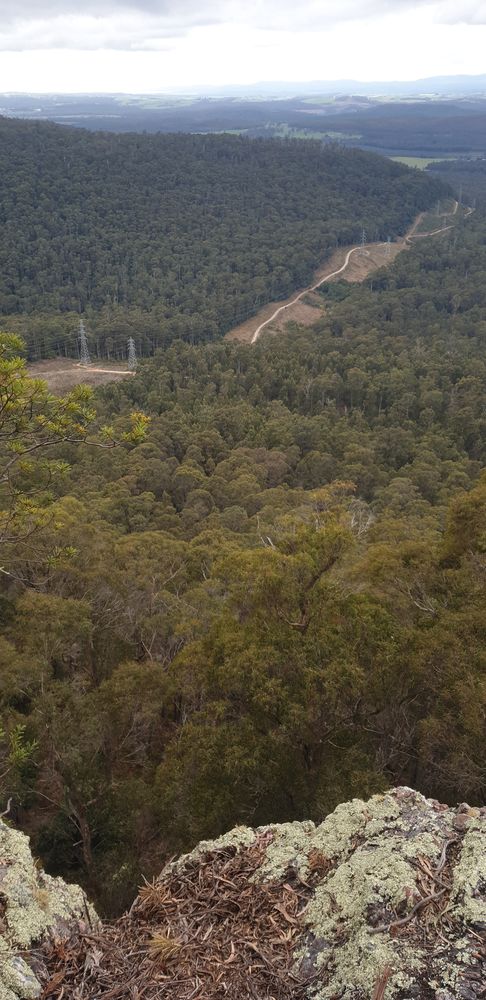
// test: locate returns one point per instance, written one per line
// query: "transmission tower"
(438, 208)
(84, 358)
(132, 356)
(388, 246)
(363, 239)
(460, 195)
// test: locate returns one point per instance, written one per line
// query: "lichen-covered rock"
(396, 896)
(384, 900)
(34, 908)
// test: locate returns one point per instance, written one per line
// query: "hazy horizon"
(455, 83)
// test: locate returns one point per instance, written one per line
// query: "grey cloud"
(10, 10)
(253, 11)
(111, 24)
(94, 35)
(150, 24)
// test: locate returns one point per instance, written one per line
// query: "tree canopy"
(274, 600)
(176, 236)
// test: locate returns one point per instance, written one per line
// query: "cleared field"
(421, 162)
(61, 374)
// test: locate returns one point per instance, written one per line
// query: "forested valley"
(165, 237)
(248, 583)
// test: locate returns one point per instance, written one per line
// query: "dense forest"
(467, 176)
(162, 237)
(425, 127)
(248, 583)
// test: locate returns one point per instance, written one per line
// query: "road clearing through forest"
(312, 288)
(305, 308)
(368, 259)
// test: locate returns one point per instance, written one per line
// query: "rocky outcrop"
(384, 899)
(35, 911)
(392, 897)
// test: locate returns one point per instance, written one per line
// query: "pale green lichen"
(336, 837)
(18, 980)
(449, 974)
(370, 855)
(360, 963)
(380, 876)
(428, 844)
(467, 898)
(376, 877)
(28, 913)
(289, 848)
(292, 843)
(35, 905)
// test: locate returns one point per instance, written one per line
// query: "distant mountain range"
(434, 86)
(438, 86)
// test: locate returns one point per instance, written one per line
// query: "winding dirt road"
(311, 288)
(407, 239)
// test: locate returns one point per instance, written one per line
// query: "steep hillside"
(169, 236)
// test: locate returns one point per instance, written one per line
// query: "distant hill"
(195, 232)
(436, 117)
(457, 86)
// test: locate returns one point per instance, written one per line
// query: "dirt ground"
(360, 265)
(61, 374)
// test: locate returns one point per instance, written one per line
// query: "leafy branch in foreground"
(33, 422)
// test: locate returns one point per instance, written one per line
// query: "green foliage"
(32, 423)
(269, 597)
(16, 754)
(162, 237)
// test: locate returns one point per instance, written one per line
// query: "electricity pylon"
(132, 356)
(84, 358)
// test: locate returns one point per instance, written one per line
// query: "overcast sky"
(148, 45)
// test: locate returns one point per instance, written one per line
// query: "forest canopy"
(176, 236)
(272, 602)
